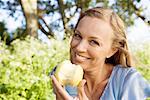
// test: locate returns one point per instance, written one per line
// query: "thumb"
(82, 94)
(83, 83)
(82, 86)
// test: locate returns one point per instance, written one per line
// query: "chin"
(83, 65)
(73, 60)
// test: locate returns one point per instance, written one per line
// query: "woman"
(99, 45)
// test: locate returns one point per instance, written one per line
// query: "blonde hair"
(122, 56)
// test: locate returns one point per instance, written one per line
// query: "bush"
(142, 56)
(25, 66)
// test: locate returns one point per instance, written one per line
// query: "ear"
(112, 52)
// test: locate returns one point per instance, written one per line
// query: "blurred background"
(35, 34)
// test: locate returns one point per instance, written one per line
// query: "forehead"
(92, 26)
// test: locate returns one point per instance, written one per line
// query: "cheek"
(73, 43)
(94, 53)
(98, 53)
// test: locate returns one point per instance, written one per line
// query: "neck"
(97, 76)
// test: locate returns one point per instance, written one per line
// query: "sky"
(138, 33)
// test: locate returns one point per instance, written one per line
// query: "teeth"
(80, 57)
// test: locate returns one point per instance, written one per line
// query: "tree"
(35, 11)
(4, 35)
(129, 10)
(31, 13)
(29, 8)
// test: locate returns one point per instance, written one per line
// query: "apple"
(68, 73)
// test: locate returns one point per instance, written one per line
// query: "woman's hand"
(60, 92)
(81, 91)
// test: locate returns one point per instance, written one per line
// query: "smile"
(80, 58)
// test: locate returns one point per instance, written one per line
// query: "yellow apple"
(68, 73)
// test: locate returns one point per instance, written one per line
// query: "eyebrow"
(92, 37)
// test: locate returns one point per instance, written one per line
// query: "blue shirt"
(126, 84)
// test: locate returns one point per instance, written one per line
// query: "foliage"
(142, 59)
(5, 36)
(3, 27)
(62, 14)
(25, 66)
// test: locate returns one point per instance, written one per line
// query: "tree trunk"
(30, 12)
(62, 13)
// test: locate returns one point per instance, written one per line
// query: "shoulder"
(120, 70)
(132, 84)
(120, 74)
(129, 74)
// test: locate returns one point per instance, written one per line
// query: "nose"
(81, 46)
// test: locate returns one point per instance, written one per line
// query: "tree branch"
(138, 14)
(43, 30)
(50, 31)
(71, 16)
(61, 10)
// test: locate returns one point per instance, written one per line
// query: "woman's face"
(91, 43)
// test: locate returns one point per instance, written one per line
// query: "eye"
(94, 43)
(77, 36)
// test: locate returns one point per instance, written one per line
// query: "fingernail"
(84, 81)
(51, 76)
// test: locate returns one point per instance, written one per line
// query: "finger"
(56, 84)
(81, 86)
(82, 94)
(58, 96)
(59, 89)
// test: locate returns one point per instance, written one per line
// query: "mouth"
(81, 58)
